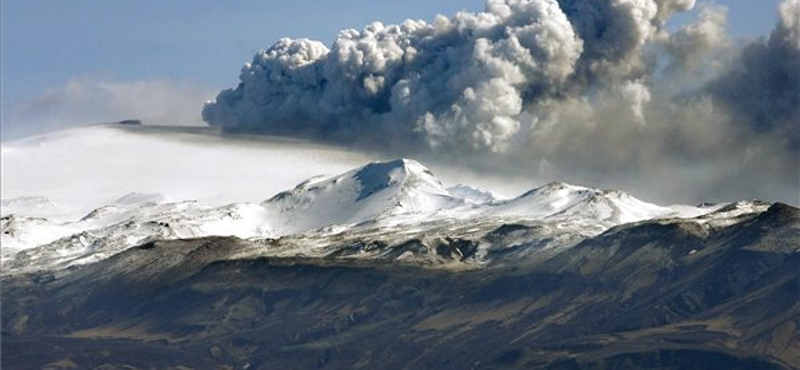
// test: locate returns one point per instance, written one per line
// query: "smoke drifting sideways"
(598, 92)
(90, 99)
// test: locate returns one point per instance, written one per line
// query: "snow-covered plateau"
(59, 207)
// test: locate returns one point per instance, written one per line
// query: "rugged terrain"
(668, 295)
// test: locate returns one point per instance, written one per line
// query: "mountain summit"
(401, 187)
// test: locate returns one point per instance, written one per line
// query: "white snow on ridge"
(471, 193)
(20, 233)
(34, 244)
(722, 215)
(573, 206)
(543, 201)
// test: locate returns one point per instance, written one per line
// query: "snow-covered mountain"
(400, 190)
(587, 207)
(394, 201)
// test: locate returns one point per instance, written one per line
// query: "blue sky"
(47, 43)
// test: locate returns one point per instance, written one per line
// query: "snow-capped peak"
(406, 174)
(374, 191)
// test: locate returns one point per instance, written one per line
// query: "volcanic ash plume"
(584, 86)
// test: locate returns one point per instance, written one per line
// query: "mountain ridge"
(664, 294)
(399, 196)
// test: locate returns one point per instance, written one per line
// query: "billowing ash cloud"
(581, 90)
(460, 81)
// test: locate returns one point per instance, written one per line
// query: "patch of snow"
(471, 194)
(728, 214)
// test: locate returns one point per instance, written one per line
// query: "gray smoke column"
(586, 90)
(461, 81)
